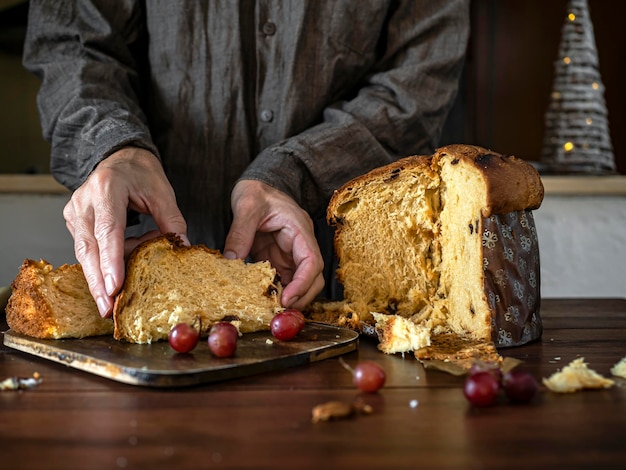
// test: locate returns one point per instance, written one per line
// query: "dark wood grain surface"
(74, 419)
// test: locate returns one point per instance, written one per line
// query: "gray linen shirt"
(301, 94)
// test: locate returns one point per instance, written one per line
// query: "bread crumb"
(619, 369)
(413, 403)
(333, 410)
(399, 335)
(269, 341)
(20, 383)
(576, 376)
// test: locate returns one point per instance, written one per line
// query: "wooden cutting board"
(158, 365)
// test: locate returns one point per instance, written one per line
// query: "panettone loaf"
(167, 283)
(446, 241)
(53, 303)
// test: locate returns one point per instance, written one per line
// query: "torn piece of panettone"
(463, 353)
(619, 369)
(576, 376)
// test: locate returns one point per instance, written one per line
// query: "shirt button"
(267, 115)
(269, 28)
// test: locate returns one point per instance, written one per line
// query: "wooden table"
(78, 420)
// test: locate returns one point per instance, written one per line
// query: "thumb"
(169, 219)
(240, 237)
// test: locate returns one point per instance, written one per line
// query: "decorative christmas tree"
(577, 136)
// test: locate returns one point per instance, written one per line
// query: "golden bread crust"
(44, 300)
(28, 311)
(512, 183)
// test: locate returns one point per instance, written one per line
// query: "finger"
(109, 225)
(296, 295)
(242, 231)
(133, 242)
(165, 211)
(308, 279)
(88, 255)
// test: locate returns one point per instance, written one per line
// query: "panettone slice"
(446, 241)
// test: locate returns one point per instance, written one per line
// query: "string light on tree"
(577, 138)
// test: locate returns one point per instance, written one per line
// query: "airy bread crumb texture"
(408, 237)
(399, 335)
(53, 303)
(168, 283)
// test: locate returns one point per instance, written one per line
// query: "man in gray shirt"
(232, 122)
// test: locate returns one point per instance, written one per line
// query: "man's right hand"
(131, 178)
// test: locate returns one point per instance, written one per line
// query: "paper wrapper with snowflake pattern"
(511, 268)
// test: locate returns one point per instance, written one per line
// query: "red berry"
(369, 376)
(223, 338)
(285, 326)
(519, 386)
(297, 314)
(481, 388)
(183, 337)
(491, 367)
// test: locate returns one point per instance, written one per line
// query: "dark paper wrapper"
(512, 277)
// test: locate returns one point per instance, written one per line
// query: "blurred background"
(504, 96)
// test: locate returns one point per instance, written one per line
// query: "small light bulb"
(566, 60)
(595, 85)
(571, 17)
(568, 146)
(589, 121)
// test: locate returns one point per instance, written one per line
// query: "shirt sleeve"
(399, 110)
(89, 99)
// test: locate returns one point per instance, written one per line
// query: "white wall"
(32, 226)
(582, 241)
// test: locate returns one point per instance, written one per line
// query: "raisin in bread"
(53, 303)
(167, 283)
(446, 242)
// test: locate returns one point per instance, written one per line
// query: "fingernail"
(184, 238)
(230, 255)
(103, 306)
(109, 284)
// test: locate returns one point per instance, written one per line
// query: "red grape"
(369, 376)
(223, 338)
(481, 388)
(519, 386)
(298, 314)
(491, 367)
(183, 337)
(286, 326)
